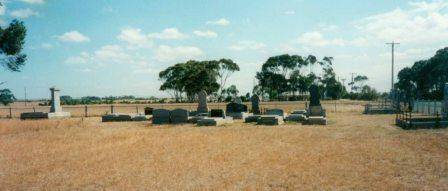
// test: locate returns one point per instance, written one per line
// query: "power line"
(393, 43)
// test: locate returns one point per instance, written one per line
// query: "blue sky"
(118, 47)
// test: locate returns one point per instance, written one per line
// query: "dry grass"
(354, 152)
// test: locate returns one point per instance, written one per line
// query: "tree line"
(425, 79)
(282, 77)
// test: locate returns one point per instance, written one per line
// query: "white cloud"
(169, 34)
(317, 39)
(33, 1)
(166, 53)
(220, 22)
(290, 12)
(421, 23)
(82, 58)
(73, 36)
(23, 13)
(111, 54)
(46, 45)
(134, 36)
(247, 45)
(206, 34)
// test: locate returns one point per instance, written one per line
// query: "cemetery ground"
(353, 152)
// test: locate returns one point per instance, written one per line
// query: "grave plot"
(55, 110)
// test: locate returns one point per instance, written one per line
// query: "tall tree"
(12, 40)
(226, 68)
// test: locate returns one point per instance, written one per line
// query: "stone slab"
(302, 111)
(278, 112)
(209, 121)
(270, 120)
(59, 115)
(252, 118)
(179, 116)
(296, 117)
(237, 115)
(33, 115)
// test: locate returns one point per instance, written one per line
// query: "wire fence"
(99, 110)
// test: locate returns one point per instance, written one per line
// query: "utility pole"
(353, 82)
(343, 82)
(393, 62)
(25, 95)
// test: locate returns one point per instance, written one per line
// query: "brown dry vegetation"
(354, 152)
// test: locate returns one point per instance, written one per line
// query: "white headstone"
(55, 100)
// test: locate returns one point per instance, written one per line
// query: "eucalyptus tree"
(12, 39)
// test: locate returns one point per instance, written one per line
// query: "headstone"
(179, 116)
(202, 102)
(148, 110)
(236, 110)
(316, 113)
(116, 117)
(161, 116)
(255, 104)
(55, 100)
(278, 112)
(55, 109)
(314, 95)
(234, 107)
(217, 113)
(445, 100)
(270, 120)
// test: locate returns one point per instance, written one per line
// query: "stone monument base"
(316, 120)
(270, 120)
(303, 112)
(59, 115)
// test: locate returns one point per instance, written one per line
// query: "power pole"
(352, 83)
(25, 95)
(393, 62)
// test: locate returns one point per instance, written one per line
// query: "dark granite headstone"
(235, 108)
(148, 110)
(255, 104)
(217, 113)
(314, 95)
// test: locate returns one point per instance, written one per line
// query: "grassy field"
(354, 152)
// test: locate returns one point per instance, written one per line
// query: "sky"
(115, 47)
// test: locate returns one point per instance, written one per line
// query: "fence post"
(34, 109)
(112, 109)
(85, 111)
(136, 107)
(10, 112)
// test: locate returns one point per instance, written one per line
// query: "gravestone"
(316, 114)
(270, 120)
(217, 113)
(148, 110)
(278, 112)
(202, 102)
(161, 116)
(314, 95)
(55, 109)
(236, 110)
(445, 101)
(255, 104)
(179, 116)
